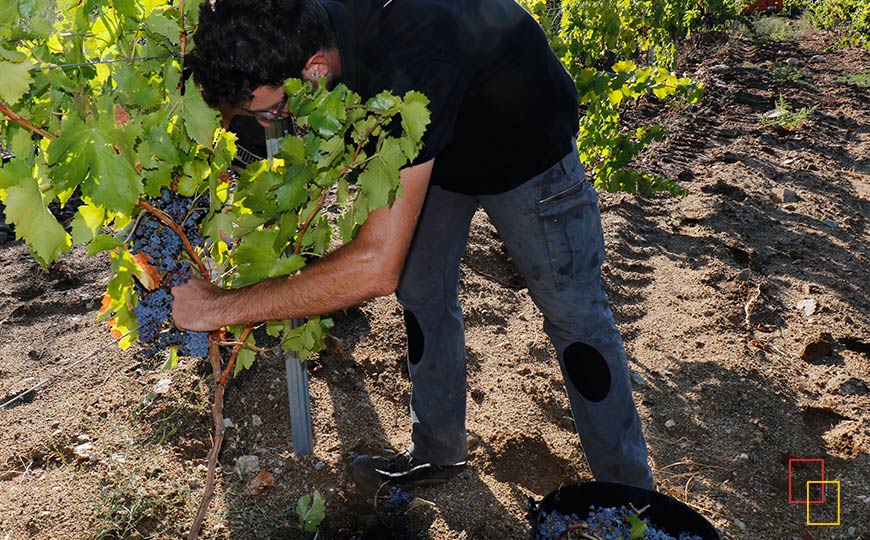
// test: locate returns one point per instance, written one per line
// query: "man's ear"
(317, 66)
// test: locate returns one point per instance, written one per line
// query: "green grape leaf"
(384, 103)
(230, 226)
(292, 149)
(11, 173)
(69, 152)
(224, 149)
(103, 242)
(638, 527)
(624, 66)
(22, 145)
(16, 80)
(375, 183)
(311, 511)
(200, 121)
(28, 211)
(346, 226)
(275, 328)
(87, 223)
(9, 11)
(85, 154)
(15, 57)
(292, 192)
(113, 182)
(246, 357)
(415, 115)
(126, 7)
(172, 361)
(163, 26)
(257, 259)
(328, 117)
(381, 176)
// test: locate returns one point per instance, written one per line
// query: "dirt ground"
(705, 289)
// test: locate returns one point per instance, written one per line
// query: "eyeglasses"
(272, 114)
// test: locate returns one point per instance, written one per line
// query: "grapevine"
(94, 106)
(618, 51)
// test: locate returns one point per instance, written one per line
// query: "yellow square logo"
(823, 483)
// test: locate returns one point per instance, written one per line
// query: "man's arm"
(366, 267)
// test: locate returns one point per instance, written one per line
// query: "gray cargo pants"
(552, 228)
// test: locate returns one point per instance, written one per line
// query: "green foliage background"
(851, 15)
(618, 51)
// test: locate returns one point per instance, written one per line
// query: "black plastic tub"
(665, 513)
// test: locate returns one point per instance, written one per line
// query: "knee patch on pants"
(587, 371)
(415, 338)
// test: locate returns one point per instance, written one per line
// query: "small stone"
(850, 531)
(740, 525)
(818, 59)
(807, 289)
(744, 275)
(792, 61)
(720, 68)
(831, 223)
(808, 306)
(637, 379)
(162, 386)
(247, 464)
(228, 423)
(854, 387)
(319, 465)
(256, 420)
(85, 451)
(743, 456)
(119, 458)
(788, 195)
(83, 438)
(670, 423)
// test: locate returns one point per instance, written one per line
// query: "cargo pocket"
(571, 225)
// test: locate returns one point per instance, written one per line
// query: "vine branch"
(169, 222)
(236, 349)
(12, 115)
(183, 40)
(217, 412)
(308, 221)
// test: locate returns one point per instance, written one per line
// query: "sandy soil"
(705, 289)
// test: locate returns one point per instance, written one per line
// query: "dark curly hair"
(241, 45)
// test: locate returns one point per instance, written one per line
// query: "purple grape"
(394, 499)
(165, 251)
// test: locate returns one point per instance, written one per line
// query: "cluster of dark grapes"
(393, 504)
(394, 499)
(605, 523)
(165, 251)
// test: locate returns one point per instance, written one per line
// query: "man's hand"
(197, 306)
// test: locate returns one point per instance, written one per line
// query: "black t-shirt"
(503, 107)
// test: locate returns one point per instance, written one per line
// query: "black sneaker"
(401, 469)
